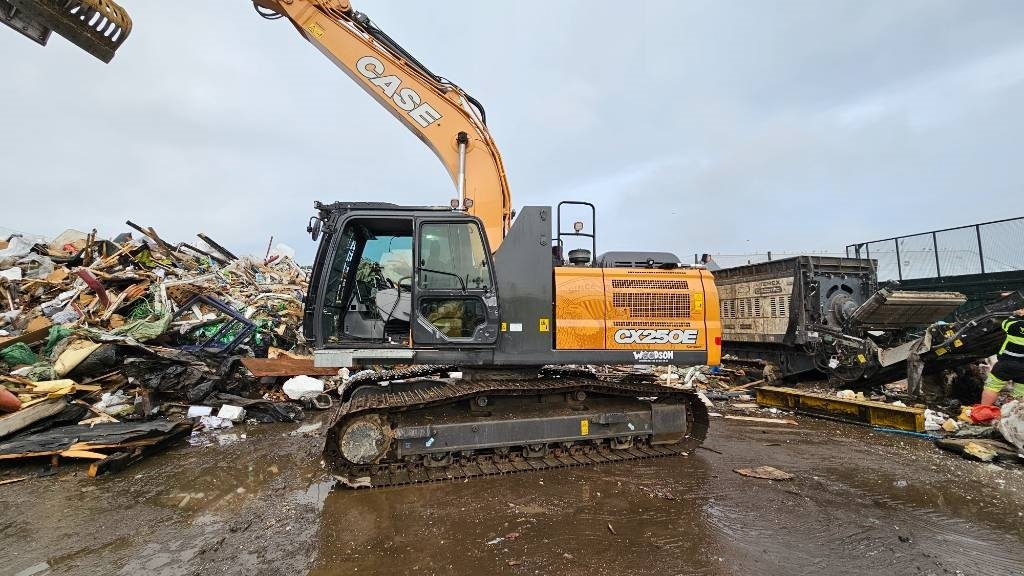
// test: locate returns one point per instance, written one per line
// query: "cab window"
(452, 257)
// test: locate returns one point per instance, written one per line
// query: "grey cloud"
(694, 126)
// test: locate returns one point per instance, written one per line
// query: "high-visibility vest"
(1013, 346)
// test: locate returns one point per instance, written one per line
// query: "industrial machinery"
(823, 313)
(469, 288)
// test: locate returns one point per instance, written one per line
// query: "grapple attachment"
(97, 26)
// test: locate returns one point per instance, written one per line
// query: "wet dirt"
(861, 502)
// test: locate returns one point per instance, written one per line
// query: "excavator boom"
(442, 115)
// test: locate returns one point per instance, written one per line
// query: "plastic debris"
(233, 413)
(984, 413)
(301, 387)
(934, 420)
(198, 411)
(1011, 423)
(117, 404)
(18, 354)
(214, 423)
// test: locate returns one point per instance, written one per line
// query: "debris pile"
(108, 334)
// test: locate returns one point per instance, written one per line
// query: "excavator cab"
(397, 277)
(97, 26)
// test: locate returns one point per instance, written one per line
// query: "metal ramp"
(887, 309)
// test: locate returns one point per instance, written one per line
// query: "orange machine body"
(637, 309)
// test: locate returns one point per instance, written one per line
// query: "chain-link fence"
(733, 260)
(989, 247)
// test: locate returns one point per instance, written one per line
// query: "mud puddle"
(860, 503)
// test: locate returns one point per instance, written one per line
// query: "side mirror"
(314, 227)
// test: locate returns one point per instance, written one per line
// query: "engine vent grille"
(648, 284)
(649, 324)
(648, 305)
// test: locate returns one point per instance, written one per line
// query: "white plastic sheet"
(1011, 423)
(301, 387)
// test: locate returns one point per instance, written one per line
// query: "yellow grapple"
(97, 26)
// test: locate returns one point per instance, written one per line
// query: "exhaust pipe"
(97, 26)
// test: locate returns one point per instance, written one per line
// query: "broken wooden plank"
(963, 446)
(29, 338)
(285, 366)
(761, 420)
(28, 416)
(213, 244)
(764, 472)
(13, 480)
(82, 454)
(746, 386)
(849, 410)
(76, 437)
(121, 460)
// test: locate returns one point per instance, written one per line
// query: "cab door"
(455, 302)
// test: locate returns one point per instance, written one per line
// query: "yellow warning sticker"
(957, 343)
(504, 326)
(861, 358)
(584, 427)
(940, 351)
(697, 302)
(315, 30)
(545, 325)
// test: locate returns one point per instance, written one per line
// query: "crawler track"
(386, 401)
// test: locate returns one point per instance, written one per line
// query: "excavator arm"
(441, 114)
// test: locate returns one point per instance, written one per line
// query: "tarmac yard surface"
(861, 502)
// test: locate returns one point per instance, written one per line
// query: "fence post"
(899, 265)
(935, 246)
(981, 253)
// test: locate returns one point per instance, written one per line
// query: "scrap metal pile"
(100, 340)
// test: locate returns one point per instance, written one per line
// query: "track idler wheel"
(365, 440)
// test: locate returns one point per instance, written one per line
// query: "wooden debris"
(762, 420)
(13, 480)
(29, 415)
(746, 386)
(982, 449)
(850, 410)
(764, 472)
(120, 460)
(130, 442)
(285, 366)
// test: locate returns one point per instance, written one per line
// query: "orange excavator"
(502, 330)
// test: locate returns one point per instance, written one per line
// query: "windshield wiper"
(462, 282)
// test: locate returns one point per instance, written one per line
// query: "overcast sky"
(693, 126)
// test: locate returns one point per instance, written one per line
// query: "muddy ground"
(862, 502)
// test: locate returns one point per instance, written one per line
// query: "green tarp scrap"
(138, 331)
(57, 333)
(145, 329)
(18, 354)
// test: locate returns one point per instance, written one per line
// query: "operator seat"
(445, 315)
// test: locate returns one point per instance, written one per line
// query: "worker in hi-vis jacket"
(1009, 366)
